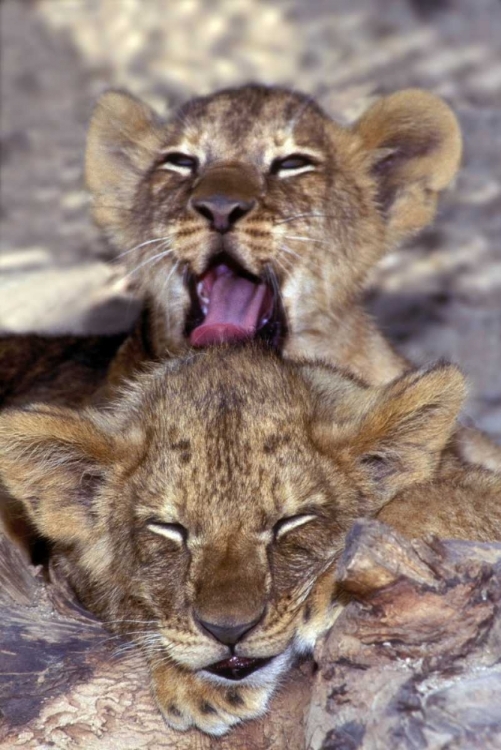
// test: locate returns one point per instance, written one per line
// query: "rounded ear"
(122, 142)
(54, 462)
(398, 436)
(415, 149)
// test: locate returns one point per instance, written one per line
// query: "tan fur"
(60, 370)
(258, 467)
(318, 233)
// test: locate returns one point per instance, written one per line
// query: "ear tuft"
(405, 433)
(414, 144)
(399, 433)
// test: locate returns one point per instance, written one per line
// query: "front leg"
(188, 699)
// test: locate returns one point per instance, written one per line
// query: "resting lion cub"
(252, 214)
(202, 512)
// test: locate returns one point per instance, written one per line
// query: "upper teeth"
(203, 297)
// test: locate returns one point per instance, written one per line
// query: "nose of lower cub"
(228, 634)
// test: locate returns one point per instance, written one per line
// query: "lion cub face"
(252, 214)
(211, 501)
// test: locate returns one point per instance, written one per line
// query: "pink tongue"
(236, 306)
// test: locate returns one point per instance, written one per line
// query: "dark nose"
(222, 212)
(228, 634)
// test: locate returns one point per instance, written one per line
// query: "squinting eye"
(173, 531)
(180, 162)
(292, 163)
(287, 524)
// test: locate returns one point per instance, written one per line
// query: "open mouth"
(229, 305)
(236, 667)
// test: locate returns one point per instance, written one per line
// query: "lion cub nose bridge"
(225, 194)
(231, 593)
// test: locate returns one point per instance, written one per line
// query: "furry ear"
(338, 395)
(53, 461)
(414, 142)
(122, 142)
(399, 434)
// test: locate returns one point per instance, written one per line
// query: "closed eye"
(173, 531)
(285, 525)
(176, 161)
(293, 164)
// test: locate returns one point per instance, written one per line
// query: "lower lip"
(236, 668)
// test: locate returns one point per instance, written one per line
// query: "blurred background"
(438, 297)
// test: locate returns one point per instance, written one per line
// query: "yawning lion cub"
(252, 214)
(202, 512)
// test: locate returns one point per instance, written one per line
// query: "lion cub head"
(210, 502)
(251, 214)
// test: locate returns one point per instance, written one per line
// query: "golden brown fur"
(62, 370)
(313, 235)
(216, 491)
(315, 232)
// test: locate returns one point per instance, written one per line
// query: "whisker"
(305, 239)
(143, 244)
(129, 634)
(146, 262)
(134, 652)
(167, 649)
(159, 661)
(119, 208)
(132, 657)
(283, 267)
(276, 288)
(126, 648)
(288, 250)
(173, 269)
(310, 259)
(147, 641)
(304, 216)
(165, 285)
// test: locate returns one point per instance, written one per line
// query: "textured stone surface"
(413, 661)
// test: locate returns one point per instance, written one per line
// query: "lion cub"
(252, 214)
(203, 511)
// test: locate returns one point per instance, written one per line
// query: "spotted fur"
(224, 451)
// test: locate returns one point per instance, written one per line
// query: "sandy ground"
(439, 297)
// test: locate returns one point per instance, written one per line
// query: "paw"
(188, 700)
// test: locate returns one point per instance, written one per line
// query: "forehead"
(226, 464)
(234, 120)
